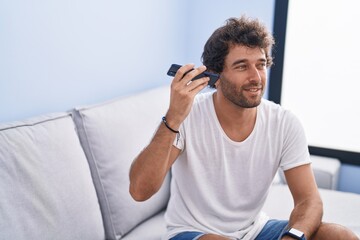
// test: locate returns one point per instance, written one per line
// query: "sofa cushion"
(152, 229)
(46, 190)
(112, 135)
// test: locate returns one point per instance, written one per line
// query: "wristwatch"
(294, 233)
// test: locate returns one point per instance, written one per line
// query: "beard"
(236, 95)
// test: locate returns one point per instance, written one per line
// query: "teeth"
(253, 89)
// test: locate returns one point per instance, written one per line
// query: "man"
(225, 147)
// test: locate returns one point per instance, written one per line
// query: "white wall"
(55, 55)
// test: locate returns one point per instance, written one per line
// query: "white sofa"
(65, 175)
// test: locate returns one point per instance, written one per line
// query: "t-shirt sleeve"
(295, 151)
(179, 141)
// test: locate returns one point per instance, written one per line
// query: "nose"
(254, 75)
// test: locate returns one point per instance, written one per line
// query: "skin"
(150, 167)
(239, 91)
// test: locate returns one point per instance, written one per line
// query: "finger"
(198, 89)
(198, 85)
(183, 71)
(193, 73)
(190, 75)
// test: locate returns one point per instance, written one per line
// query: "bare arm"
(308, 210)
(150, 167)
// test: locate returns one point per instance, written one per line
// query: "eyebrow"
(238, 62)
(245, 60)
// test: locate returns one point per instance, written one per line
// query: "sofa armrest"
(326, 171)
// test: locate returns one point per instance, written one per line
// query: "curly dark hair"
(237, 31)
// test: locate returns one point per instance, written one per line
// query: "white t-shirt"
(218, 185)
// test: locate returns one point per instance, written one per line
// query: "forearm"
(150, 167)
(306, 216)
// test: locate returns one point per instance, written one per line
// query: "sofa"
(65, 175)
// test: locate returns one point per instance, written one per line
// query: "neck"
(236, 121)
(232, 112)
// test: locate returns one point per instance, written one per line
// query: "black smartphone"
(213, 76)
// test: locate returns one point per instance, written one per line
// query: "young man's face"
(243, 79)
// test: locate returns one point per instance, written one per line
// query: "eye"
(241, 67)
(261, 66)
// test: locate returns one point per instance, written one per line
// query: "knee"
(334, 232)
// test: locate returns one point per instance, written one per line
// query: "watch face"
(296, 232)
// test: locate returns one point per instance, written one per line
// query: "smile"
(253, 89)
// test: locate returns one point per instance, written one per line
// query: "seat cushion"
(112, 135)
(339, 207)
(152, 229)
(46, 190)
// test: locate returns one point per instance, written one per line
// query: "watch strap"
(294, 233)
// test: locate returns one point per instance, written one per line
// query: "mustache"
(252, 86)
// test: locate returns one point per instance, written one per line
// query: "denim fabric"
(272, 230)
(188, 236)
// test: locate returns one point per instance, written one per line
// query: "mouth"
(253, 89)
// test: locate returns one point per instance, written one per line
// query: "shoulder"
(274, 112)
(203, 97)
(201, 108)
(270, 107)
(202, 100)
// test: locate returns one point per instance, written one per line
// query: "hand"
(183, 92)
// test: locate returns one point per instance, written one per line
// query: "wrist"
(173, 120)
(165, 121)
(293, 233)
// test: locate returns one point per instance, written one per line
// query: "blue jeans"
(272, 230)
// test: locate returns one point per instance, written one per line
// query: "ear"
(217, 82)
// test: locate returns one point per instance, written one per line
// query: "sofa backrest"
(46, 190)
(112, 134)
